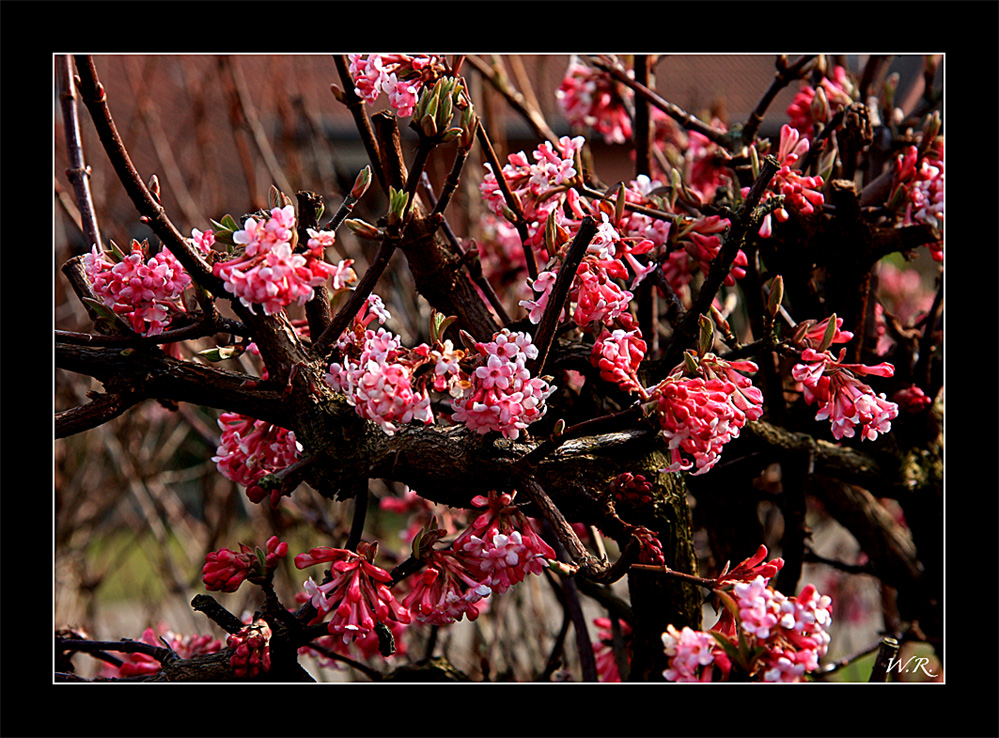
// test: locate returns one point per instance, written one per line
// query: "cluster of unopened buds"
(146, 291)
(400, 76)
(270, 272)
(251, 654)
(589, 98)
(225, 569)
(802, 193)
(814, 104)
(763, 633)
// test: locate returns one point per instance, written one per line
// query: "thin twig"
(545, 333)
(78, 172)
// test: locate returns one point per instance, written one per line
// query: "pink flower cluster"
(803, 194)
(771, 637)
(843, 400)
(356, 596)
(618, 354)
(252, 652)
(502, 395)
(589, 97)
(146, 292)
(268, 272)
(502, 544)
(250, 449)
(447, 589)
(701, 412)
(596, 292)
(919, 186)
(225, 570)
(400, 76)
(376, 372)
(795, 625)
(693, 655)
(838, 93)
(537, 186)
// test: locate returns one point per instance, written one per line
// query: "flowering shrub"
(547, 387)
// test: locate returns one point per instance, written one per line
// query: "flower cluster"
(400, 76)
(631, 488)
(813, 105)
(701, 406)
(250, 449)
(843, 400)
(589, 97)
(356, 593)
(919, 191)
(501, 543)
(618, 354)
(447, 589)
(596, 293)
(769, 636)
(536, 186)
(252, 652)
(225, 570)
(802, 193)
(502, 395)
(376, 372)
(693, 656)
(269, 272)
(147, 292)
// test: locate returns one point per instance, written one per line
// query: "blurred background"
(138, 502)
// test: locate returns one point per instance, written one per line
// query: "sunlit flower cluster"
(502, 395)
(268, 272)
(400, 76)
(376, 373)
(146, 292)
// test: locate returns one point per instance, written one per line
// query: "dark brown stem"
(78, 172)
(784, 76)
(358, 297)
(519, 223)
(684, 118)
(93, 96)
(545, 333)
(356, 107)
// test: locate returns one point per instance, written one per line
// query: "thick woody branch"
(165, 378)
